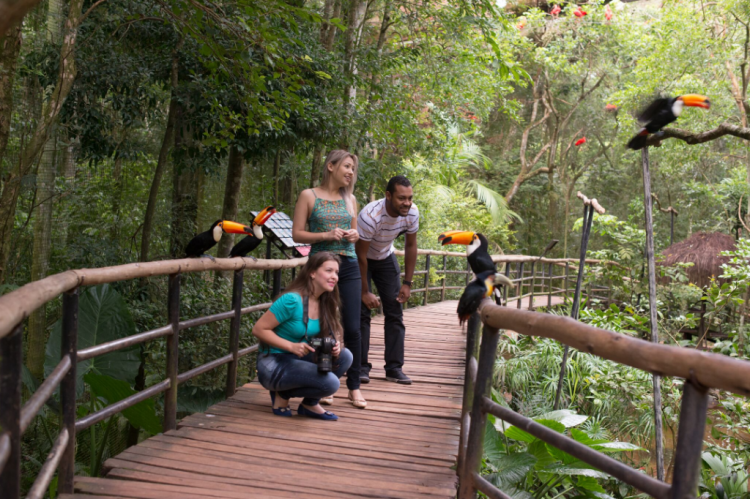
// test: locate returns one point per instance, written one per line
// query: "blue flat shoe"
(281, 411)
(326, 416)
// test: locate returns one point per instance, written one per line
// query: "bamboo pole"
(647, 205)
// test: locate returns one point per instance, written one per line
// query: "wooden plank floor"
(403, 445)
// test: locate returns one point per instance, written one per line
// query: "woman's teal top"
(328, 215)
(289, 313)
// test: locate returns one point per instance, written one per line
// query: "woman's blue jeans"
(292, 376)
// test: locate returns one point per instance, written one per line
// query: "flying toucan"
(204, 241)
(477, 290)
(661, 113)
(477, 248)
(252, 241)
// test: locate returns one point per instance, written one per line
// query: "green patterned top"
(327, 215)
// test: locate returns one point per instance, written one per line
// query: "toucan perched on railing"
(661, 113)
(204, 241)
(477, 248)
(252, 241)
(480, 261)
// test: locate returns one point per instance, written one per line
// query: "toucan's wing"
(653, 109)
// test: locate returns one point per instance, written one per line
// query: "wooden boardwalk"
(404, 445)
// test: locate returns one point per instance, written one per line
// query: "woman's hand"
(300, 349)
(352, 235)
(336, 349)
(336, 234)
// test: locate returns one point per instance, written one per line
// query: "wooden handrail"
(707, 369)
(19, 304)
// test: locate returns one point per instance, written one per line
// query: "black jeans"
(386, 274)
(350, 290)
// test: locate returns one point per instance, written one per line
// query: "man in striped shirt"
(379, 224)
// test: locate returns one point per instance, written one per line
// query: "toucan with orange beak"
(477, 249)
(661, 113)
(477, 290)
(204, 241)
(252, 241)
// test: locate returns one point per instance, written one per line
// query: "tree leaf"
(102, 316)
(565, 416)
(518, 434)
(142, 415)
(512, 469)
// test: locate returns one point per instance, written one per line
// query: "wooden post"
(426, 279)
(10, 415)
(234, 333)
(567, 278)
(647, 204)
(533, 285)
(505, 288)
(173, 342)
(472, 335)
(687, 463)
(68, 390)
(550, 275)
(445, 277)
(474, 447)
(520, 285)
(276, 283)
(267, 273)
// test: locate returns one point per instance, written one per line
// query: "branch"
(701, 137)
(86, 14)
(739, 214)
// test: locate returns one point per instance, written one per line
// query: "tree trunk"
(37, 335)
(317, 164)
(357, 10)
(325, 26)
(232, 190)
(50, 112)
(184, 193)
(116, 197)
(161, 164)
(276, 166)
(10, 46)
(331, 32)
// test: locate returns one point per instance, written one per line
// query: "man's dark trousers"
(386, 274)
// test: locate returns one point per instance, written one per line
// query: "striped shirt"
(380, 229)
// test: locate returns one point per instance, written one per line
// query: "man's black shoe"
(398, 376)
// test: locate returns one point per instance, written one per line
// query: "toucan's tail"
(639, 141)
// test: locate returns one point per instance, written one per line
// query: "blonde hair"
(347, 193)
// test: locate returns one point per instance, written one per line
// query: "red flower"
(580, 141)
(610, 107)
(608, 13)
(555, 10)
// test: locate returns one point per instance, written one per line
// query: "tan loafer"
(327, 400)
(358, 403)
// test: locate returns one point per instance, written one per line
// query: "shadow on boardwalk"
(404, 445)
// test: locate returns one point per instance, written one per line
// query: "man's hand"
(404, 294)
(370, 301)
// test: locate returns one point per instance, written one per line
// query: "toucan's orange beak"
(448, 233)
(696, 100)
(457, 237)
(264, 215)
(234, 228)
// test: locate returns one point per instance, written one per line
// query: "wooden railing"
(700, 371)
(16, 306)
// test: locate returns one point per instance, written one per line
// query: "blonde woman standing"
(326, 218)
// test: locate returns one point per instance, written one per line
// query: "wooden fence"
(531, 275)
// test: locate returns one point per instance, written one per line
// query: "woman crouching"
(286, 364)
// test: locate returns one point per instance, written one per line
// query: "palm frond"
(494, 202)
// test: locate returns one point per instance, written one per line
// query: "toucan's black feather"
(480, 260)
(202, 242)
(655, 117)
(245, 246)
(658, 105)
(472, 296)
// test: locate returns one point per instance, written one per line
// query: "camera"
(323, 353)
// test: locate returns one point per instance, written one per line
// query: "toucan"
(252, 241)
(204, 241)
(477, 248)
(661, 113)
(477, 290)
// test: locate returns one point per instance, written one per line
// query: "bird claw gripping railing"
(700, 370)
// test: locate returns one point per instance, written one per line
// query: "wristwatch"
(408, 283)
